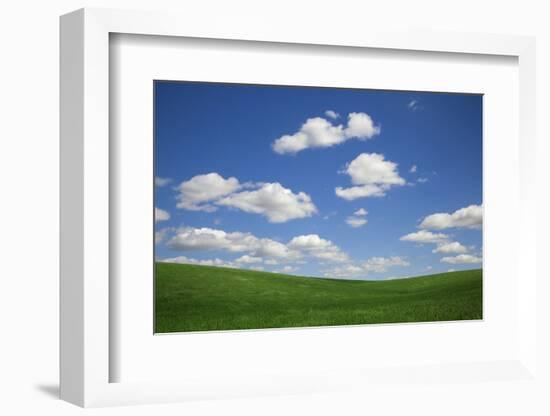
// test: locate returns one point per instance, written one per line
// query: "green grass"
(203, 298)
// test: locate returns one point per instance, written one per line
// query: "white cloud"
(246, 259)
(161, 215)
(196, 193)
(346, 271)
(162, 181)
(372, 168)
(277, 203)
(462, 259)
(332, 114)
(397, 277)
(372, 265)
(361, 126)
(318, 132)
(381, 264)
(204, 239)
(469, 217)
(422, 180)
(358, 218)
(355, 222)
(161, 235)
(414, 105)
(256, 249)
(317, 247)
(363, 191)
(272, 248)
(205, 262)
(291, 143)
(288, 269)
(321, 133)
(315, 132)
(272, 200)
(451, 248)
(309, 242)
(413, 169)
(424, 236)
(256, 267)
(373, 176)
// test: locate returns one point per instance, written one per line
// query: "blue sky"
(270, 177)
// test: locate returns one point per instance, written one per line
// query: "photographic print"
(290, 206)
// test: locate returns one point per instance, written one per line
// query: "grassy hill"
(204, 298)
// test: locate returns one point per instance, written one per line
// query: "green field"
(204, 298)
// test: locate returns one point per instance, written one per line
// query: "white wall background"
(29, 208)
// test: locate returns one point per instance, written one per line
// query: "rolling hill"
(204, 298)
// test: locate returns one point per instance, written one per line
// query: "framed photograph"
(266, 204)
(280, 213)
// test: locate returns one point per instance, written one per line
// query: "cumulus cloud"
(205, 239)
(196, 193)
(355, 222)
(273, 201)
(288, 269)
(462, 259)
(424, 236)
(363, 191)
(203, 262)
(332, 114)
(422, 180)
(450, 248)
(372, 175)
(161, 215)
(443, 246)
(363, 269)
(162, 181)
(468, 217)
(317, 247)
(397, 277)
(272, 248)
(361, 126)
(381, 264)
(318, 132)
(315, 132)
(246, 259)
(256, 250)
(346, 271)
(161, 235)
(413, 169)
(372, 168)
(357, 219)
(256, 267)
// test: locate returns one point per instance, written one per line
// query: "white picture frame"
(85, 212)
